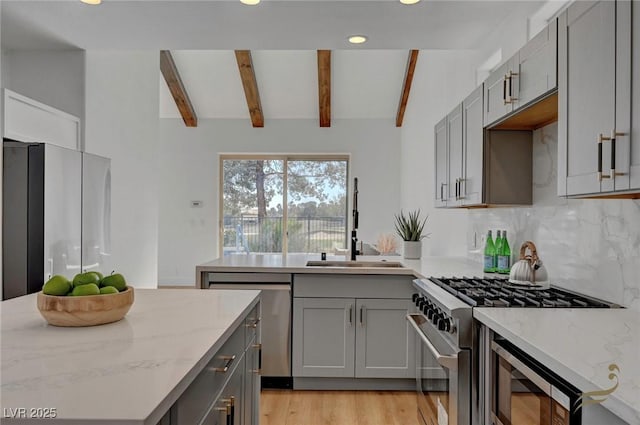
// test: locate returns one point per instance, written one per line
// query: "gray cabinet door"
(454, 136)
(251, 400)
(634, 172)
(385, 345)
(323, 337)
(441, 163)
(496, 103)
(537, 68)
(473, 138)
(586, 95)
(227, 409)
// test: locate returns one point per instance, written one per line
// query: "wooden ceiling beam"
(179, 93)
(324, 87)
(406, 88)
(250, 85)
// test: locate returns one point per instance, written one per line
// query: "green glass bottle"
(504, 255)
(498, 245)
(489, 255)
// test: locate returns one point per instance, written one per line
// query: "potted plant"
(410, 229)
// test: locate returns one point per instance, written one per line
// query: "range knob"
(418, 300)
(442, 324)
(426, 308)
(430, 313)
(451, 326)
(414, 297)
(435, 318)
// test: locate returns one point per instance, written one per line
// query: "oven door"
(443, 379)
(525, 392)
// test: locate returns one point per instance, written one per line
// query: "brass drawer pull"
(229, 360)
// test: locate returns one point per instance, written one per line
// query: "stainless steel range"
(451, 388)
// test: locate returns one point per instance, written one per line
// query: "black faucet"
(354, 234)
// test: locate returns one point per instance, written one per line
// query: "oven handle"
(538, 380)
(449, 362)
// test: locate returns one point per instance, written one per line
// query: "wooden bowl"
(90, 310)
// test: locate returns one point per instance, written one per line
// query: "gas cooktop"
(491, 292)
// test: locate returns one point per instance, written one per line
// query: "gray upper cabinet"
(441, 164)
(323, 337)
(594, 68)
(456, 159)
(496, 92)
(470, 185)
(527, 76)
(537, 67)
(634, 171)
(385, 346)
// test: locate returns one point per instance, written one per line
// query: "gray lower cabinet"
(352, 326)
(251, 398)
(228, 407)
(323, 337)
(385, 346)
(227, 390)
(595, 152)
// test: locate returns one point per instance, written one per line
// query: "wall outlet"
(196, 204)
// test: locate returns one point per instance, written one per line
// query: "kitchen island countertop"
(297, 263)
(126, 373)
(579, 345)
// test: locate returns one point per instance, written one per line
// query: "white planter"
(412, 250)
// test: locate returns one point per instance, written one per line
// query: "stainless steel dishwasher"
(275, 320)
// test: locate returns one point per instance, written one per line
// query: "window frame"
(285, 210)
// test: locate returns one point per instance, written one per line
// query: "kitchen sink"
(361, 264)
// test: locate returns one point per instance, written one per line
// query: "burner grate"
(492, 292)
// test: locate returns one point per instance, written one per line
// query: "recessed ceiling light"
(91, 2)
(409, 1)
(250, 2)
(357, 39)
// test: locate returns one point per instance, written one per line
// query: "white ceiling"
(277, 25)
(283, 37)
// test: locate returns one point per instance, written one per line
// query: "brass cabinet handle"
(225, 368)
(510, 76)
(601, 139)
(504, 89)
(259, 347)
(255, 323)
(614, 135)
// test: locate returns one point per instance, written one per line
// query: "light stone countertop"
(296, 263)
(579, 345)
(125, 373)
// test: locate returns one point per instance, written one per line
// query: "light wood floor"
(284, 407)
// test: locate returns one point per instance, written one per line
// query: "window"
(259, 194)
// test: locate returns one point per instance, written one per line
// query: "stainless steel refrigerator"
(56, 215)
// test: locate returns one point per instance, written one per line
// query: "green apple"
(116, 280)
(108, 290)
(86, 289)
(57, 285)
(85, 279)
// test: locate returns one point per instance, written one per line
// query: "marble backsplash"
(587, 245)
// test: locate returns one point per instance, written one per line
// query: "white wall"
(189, 170)
(55, 78)
(121, 123)
(441, 80)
